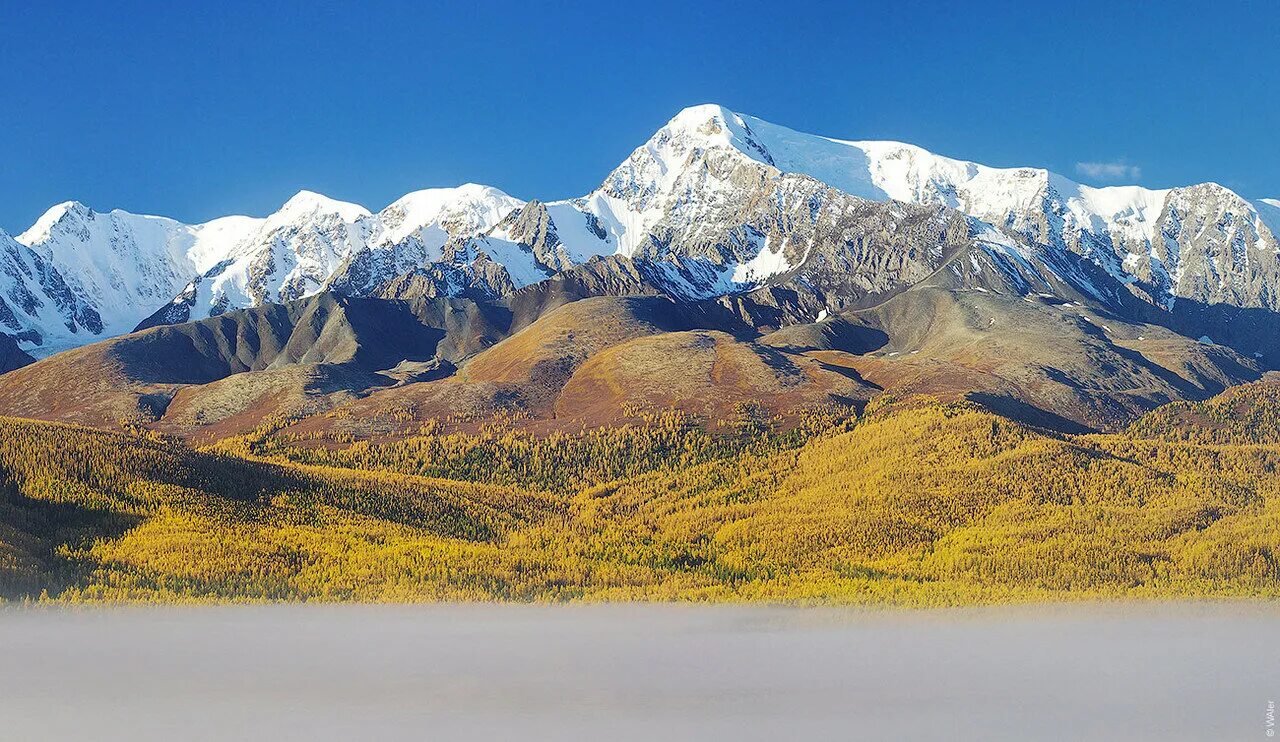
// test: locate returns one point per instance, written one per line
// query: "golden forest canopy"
(915, 502)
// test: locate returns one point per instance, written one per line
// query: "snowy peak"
(72, 211)
(76, 220)
(469, 208)
(311, 205)
(710, 118)
(712, 125)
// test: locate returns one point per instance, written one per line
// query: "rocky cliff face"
(37, 306)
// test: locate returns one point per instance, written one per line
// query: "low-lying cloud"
(1119, 170)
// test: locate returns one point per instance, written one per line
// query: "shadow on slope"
(11, 356)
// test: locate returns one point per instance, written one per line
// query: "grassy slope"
(919, 503)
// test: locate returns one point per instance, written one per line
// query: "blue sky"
(197, 113)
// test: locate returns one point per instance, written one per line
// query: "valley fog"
(1134, 671)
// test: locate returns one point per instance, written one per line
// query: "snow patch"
(766, 264)
(521, 265)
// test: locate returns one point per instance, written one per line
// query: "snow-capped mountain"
(430, 229)
(1201, 242)
(314, 242)
(115, 265)
(78, 275)
(715, 202)
(288, 255)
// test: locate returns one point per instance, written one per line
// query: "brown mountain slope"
(134, 378)
(1051, 360)
(595, 362)
(707, 373)
(1040, 358)
(560, 340)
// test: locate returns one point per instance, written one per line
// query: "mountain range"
(753, 364)
(814, 267)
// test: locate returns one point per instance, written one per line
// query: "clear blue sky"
(231, 109)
